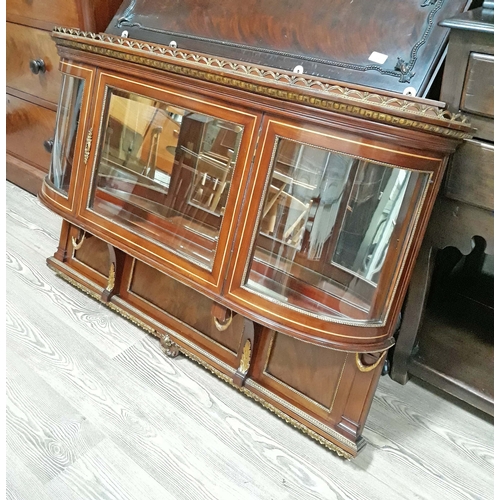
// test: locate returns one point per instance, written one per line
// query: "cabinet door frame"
(291, 320)
(136, 244)
(68, 204)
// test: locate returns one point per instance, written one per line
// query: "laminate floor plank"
(438, 466)
(106, 473)
(47, 437)
(187, 459)
(277, 451)
(438, 440)
(106, 330)
(169, 428)
(20, 482)
(33, 222)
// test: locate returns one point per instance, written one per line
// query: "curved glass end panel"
(63, 149)
(332, 233)
(164, 172)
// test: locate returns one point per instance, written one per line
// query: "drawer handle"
(48, 145)
(37, 66)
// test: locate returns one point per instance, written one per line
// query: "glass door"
(167, 167)
(67, 151)
(332, 229)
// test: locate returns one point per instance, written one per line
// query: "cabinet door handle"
(48, 145)
(367, 368)
(37, 66)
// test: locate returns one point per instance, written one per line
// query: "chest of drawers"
(33, 79)
(446, 335)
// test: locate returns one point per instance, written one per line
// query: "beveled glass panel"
(374, 206)
(68, 116)
(331, 227)
(165, 173)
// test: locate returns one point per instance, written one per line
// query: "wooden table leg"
(418, 291)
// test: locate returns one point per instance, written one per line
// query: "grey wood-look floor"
(96, 411)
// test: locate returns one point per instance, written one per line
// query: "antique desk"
(448, 340)
(224, 190)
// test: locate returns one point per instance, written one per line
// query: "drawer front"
(477, 94)
(470, 174)
(27, 127)
(42, 13)
(25, 44)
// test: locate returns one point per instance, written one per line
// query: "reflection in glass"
(68, 116)
(165, 172)
(374, 206)
(330, 227)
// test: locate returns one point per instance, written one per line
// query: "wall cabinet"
(265, 228)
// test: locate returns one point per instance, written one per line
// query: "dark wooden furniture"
(33, 80)
(448, 340)
(264, 222)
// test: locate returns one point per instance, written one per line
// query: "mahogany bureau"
(223, 187)
(33, 80)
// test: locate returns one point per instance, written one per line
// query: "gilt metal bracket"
(88, 145)
(367, 368)
(170, 348)
(78, 245)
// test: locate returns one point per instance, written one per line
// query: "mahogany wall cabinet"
(263, 223)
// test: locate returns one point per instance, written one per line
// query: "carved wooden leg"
(170, 348)
(62, 253)
(245, 352)
(413, 312)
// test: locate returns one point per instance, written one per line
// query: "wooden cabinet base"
(323, 392)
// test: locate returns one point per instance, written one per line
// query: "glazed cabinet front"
(303, 227)
(330, 232)
(68, 155)
(165, 175)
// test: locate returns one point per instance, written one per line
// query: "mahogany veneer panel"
(470, 175)
(23, 174)
(94, 253)
(183, 303)
(92, 15)
(27, 120)
(24, 44)
(41, 12)
(323, 37)
(311, 370)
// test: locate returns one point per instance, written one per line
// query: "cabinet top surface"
(385, 44)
